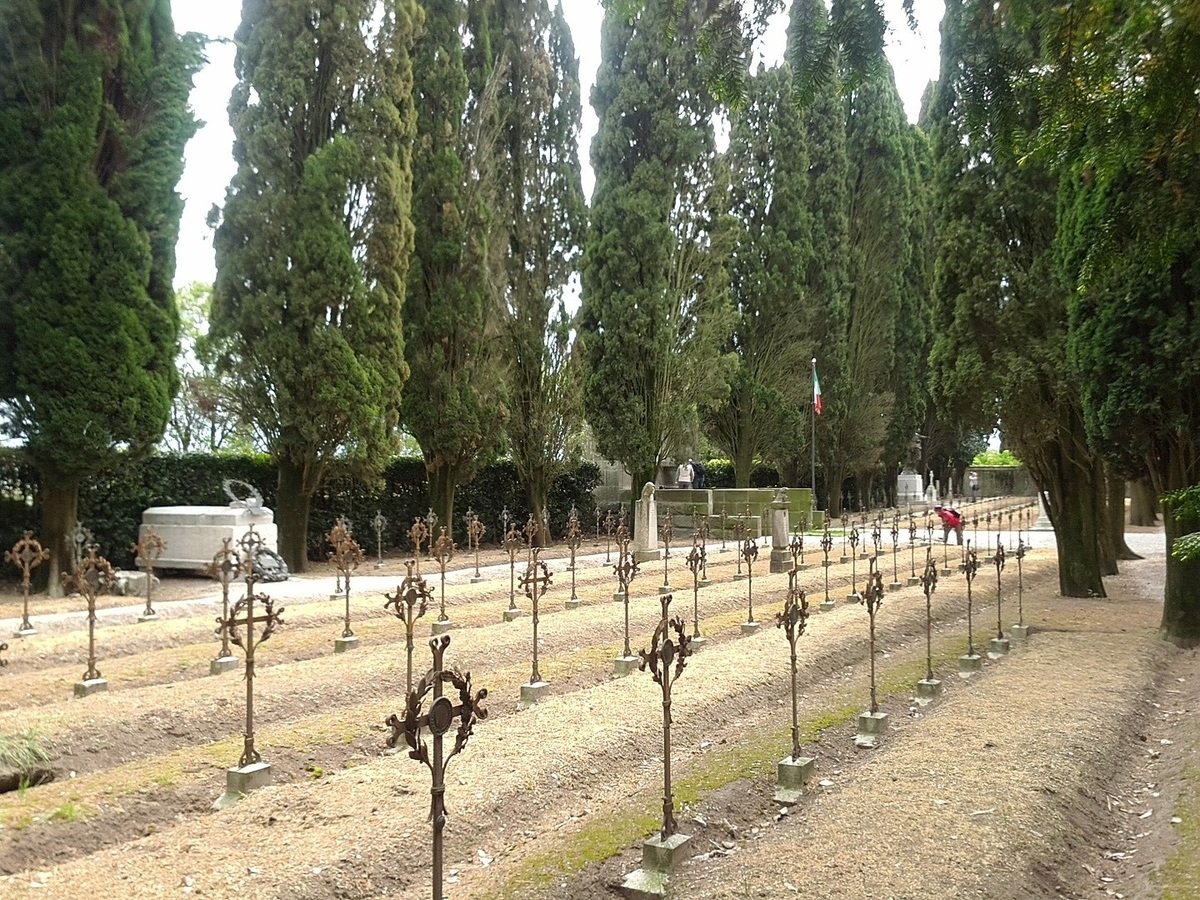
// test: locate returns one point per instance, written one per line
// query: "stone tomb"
(194, 533)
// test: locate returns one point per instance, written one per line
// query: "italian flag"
(816, 391)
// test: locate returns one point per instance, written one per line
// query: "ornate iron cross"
(929, 584)
(408, 604)
(749, 553)
(93, 576)
(854, 559)
(695, 564)
(439, 720)
(513, 544)
(380, 522)
(225, 568)
(912, 545)
(347, 555)
(970, 569)
(895, 545)
(27, 554)
(149, 549)
(243, 615)
(626, 569)
(574, 537)
(533, 530)
(873, 600)
(796, 548)
(793, 620)
(826, 546)
(418, 534)
(475, 532)
(998, 559)
(1020, 554)
(534, 582)
(443, 552)
(663, 653)
(81, 536)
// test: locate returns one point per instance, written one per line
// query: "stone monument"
(781, 529)
(193, 533)
(645, 526)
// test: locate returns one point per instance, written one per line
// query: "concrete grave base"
(534, 692)
(828, 605)
(792, 775)
(894, 586)
(336, 597)
(663, 856)
(998, 647)
(342, 644)
(864, 555)
(513, 614)
(645, 884)
(969, 664)
(90, 686)
(913, 580)
(618, 597)
(781, 560)
(928, 688)
(441, 627)
(826, 563)
(844, 559)
(697, 641)
(645, 556)
(871, 727)
(477, 579)
(222, 664)
(573, 604)
(853, 598)
(1019, 632)
(239, 781)
(751, 627)
(703, 582)
(739, 576)
(25, 632)
(623, 665)
(665, 589)
(145, 618)
(945, 573)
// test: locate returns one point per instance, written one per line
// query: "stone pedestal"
(697, 642)
(645, 526)
(853, 598)
(665, 589)
(222, 664)
(441, 627)
(844, 559)
(90, 686)
(1042, 523)
(944, 573)
(969, 664)
(573, 604)
(751, 628)
(342, 644)
(827, 605)
(618, 597)
(1019, 632)
(894, 586)
(998, 647)
(864, 555)
(623, 665)
(909, 488)
(781, 530)
(476, 579)
(511, 615)
(25, 632)
(871, 727)
(928, 688)
(793, 774)
(242, 780)
(703, 582)
(659, 859)
(145, 618)
(534, 692)
(914, 580)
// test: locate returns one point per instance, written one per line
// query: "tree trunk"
(1142, 503)
(537, 491)
(1181, 598)
(743, 463)
(1115, 516)
(833, 501)
(293, 505)
(443, 482)
(1075, 511)
(60, 510)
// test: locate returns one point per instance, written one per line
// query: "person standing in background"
(684, 477)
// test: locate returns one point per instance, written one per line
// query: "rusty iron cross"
(793, 620)
(574, 537)
(347, 556)
(826, 546)
(970, 570)
(443, 552)
(929, 580)
(27, 554)
(750, 553)
(626, 569)
(149, 549)
(475, 532)
(513, 544)
(225, 568)
(439, 720)
(534, 582)
(873, 600)
(243, 614)
(93, 576)
(419, 534)
(796, 548)
(695, 564)
(998, 559)
(380, 522)
(408, 604)
(664, 653)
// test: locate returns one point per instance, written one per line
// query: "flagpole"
(814, 437)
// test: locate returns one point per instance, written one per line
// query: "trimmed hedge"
(719, 474)
(111, 505)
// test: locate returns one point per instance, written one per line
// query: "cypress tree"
(540, 217)
(454, 406)
(93, 122)
(766, 414)
(655, 295)
(313, 242)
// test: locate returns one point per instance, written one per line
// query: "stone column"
(645, 526)
(781, 531)
(1043, 518)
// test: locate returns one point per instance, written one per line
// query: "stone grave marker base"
(665, 589)
(894, 586)
(844, 559)
(618, 597)
(573, 604)
(145, 618)
(781, 560)
(25, 632)
(241, 780)
(871, 727)
(853, 598)
(659, 859)
(998, 647)
(1019, 632)
(441, 627)
(793, 774)
(623, 665)
(222, 664)
(477, 580)
(751, 627)
(739, 576)
(697, 641)
(645, 556)
(828, 605)
(928, 688)
(913, 580)
(512, 614)
(534, 692)
(969, 664)
(703, 582)
(342, 644)
(90, 686)
(337, 597)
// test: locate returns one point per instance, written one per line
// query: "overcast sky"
(209, 163)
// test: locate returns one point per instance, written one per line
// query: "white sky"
(209, 162)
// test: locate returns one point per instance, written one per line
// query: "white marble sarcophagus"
(194, 533)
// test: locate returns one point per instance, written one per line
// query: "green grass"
(314, 772)
(607, 834)
(24, 751)
(67, 812)
(1180, 875)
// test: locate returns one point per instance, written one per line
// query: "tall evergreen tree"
(314, 239)
(540, 212)
(93, 122)
(766, 414)
(454, 406)
(1001, 317)
(655, 296)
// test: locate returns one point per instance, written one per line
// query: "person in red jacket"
(952, 520)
